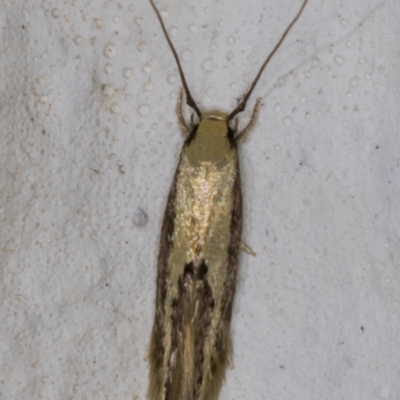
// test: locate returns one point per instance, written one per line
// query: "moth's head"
(211, 139)
(214, 115)
(212, 124)
(222, 119)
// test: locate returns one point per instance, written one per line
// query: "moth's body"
(199, 247)
(197, 264)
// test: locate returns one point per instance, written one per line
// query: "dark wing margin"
(156, 349)
(233, 250)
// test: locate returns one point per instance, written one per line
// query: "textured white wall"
(89, 144)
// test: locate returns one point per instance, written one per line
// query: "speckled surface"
(89, 147)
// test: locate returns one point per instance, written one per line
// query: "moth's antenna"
(189, 99)
(242, 105)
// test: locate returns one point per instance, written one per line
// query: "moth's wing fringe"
(215, 375)
(156, 379)
(201, 354)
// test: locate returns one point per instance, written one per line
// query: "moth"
(190, 345)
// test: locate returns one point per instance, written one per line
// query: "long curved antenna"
(189, 99)
(242, 105)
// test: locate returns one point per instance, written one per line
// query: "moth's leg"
(242, 135)
(182, 123)
(235, 126)
(146, 355)
(230, 361)
(247, 249)
(192, 120)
